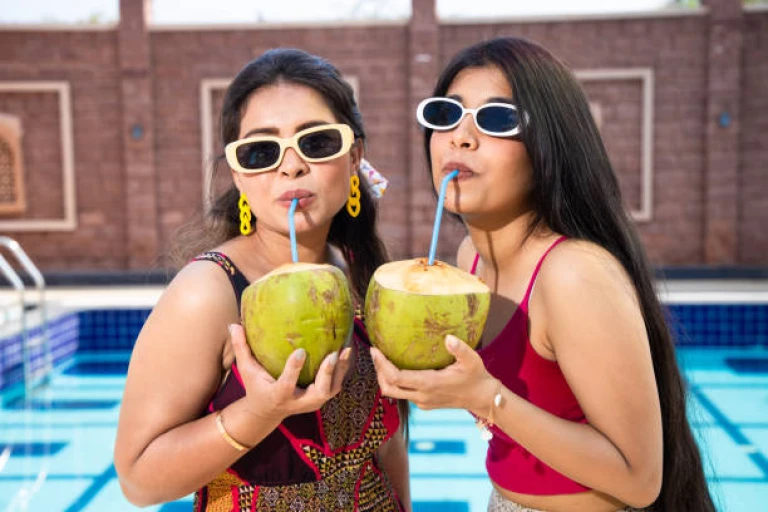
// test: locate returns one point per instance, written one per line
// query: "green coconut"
(297, 305)
(411, 306)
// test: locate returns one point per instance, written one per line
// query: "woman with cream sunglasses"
(199, 413)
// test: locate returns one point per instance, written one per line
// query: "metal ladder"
(32, 378)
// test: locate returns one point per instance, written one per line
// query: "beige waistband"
(498, 503)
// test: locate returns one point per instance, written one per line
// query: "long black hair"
(576, 193)
(357, 238)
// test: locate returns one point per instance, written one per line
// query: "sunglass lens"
(258, 155)
(322, 144)
(497, 119)
(442, 113)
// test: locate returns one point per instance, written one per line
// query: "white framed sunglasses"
(263, 153)
(494, 119)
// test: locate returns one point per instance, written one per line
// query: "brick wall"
(88, 61)
(753, 233)
(133, 189)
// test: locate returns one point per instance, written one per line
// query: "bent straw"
(439, 215)
(292, 227)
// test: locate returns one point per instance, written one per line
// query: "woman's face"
(282, 110)
(495, 175)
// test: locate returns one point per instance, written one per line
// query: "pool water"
(56, 449)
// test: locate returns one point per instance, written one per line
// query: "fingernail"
(451, 342)
(373, 355)
(300, 354)
(333, 359)
(345, 353)
(231, 328)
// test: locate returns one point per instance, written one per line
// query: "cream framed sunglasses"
(495, 119)
(263, 153)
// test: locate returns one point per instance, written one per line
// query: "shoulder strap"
(238, 280)
(474, 263)
(526, 298)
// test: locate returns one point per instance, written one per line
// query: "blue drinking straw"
(292, 227)
(439, 215)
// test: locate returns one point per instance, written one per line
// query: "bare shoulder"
(585, 300)
(201, 287)
(196, 308)
(581, 270)
(465, 254)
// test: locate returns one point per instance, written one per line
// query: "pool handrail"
(37, 277)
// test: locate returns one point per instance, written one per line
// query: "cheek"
(336, 184)
(256, 188)
(437, 145)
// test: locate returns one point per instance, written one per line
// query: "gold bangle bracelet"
(228, 438)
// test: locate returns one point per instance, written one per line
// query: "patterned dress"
(319, 461)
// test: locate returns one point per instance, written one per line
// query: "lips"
(464, 170)
(295, 194)
(305, 198)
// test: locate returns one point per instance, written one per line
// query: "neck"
(274, 248)
(500, 244)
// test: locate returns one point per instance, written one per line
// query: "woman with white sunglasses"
(575, 381)
(200, 415)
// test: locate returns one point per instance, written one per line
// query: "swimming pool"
(56, 449)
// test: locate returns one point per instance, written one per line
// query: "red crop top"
(510, 357)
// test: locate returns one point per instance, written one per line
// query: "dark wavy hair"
(357, 238)
(576, 193)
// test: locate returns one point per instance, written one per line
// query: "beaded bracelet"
(228, 438)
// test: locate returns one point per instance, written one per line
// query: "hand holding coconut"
(278, 398)
(465, 384)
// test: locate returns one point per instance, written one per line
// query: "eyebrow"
(274, 131)
(493, 99)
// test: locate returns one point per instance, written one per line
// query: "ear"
(356, 154)
(236, 179)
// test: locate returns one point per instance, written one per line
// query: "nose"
(465, 134)
(292, 165)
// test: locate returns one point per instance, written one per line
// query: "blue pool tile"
(719, 325)
(742, 497)
(748, 364)
(433, 506)
(177, 506)
(96, 485)
(472, 493)
(49, 497)
(98, 368)
(111, 499)
(34, 449)
(740, 404)
(58, 405)
(724, 458)
(435, 447)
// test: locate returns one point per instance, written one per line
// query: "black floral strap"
(238, 280)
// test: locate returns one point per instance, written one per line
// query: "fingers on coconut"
(324, 377)
(342, 367)
(380, 361)
(460, 350)
(243, 354)
(290, 376)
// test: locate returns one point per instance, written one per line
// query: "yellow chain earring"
(245, 215)
(353, 201)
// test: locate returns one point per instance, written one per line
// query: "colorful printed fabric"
(376, 181)
(342, 463)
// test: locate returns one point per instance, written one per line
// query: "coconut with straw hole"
(297, 305)
(411, 306)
